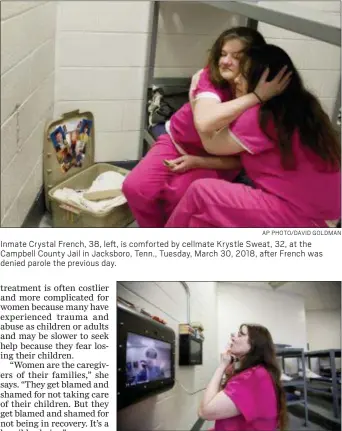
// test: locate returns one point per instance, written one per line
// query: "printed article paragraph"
(56, 356)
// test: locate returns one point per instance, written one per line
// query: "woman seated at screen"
(154, 188)
(250, 396)
(289, 150)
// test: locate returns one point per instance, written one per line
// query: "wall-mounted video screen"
(146, 356)
(147, 360)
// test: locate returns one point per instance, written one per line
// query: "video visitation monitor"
(146, 350)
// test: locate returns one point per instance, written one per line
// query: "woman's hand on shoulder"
(268, 89)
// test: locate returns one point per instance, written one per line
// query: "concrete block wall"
(177, 408)
(27, 98)
(101, 55)
(318, 62)
(186, 31)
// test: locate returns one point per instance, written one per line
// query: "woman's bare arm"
(215, 403)
(211, 115)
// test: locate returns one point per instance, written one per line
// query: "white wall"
(318, 62)
(321, 300)
(324, 329)
(27, 96)
(177, 408)
(186, 31)
(296, 313)
(101, 63)
(281, 312)
(324, 332)
(323, 312)
(318, 295)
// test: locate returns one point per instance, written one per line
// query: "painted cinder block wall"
(101, 57)
(27, 101)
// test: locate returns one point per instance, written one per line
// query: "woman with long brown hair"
(251, 398)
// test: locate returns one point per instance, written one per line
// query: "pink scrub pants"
(217, 203)
(153, 191)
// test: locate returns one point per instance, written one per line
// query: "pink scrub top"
(182, 127)
(313, 189)
(253, 393)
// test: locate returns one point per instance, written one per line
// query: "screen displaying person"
(151, 370)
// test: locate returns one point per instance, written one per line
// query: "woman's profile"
(251, 396)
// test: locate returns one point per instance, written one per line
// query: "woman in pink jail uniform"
(250, 396)
(153, 189)
(289, 150)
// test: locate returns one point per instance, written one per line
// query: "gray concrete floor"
(322, 407)
(297, 424)
(46, 221)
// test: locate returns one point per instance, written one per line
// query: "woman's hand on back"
(268, 89)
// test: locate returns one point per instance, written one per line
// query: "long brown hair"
(295, 110)
(248, 36)
(263, 353)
